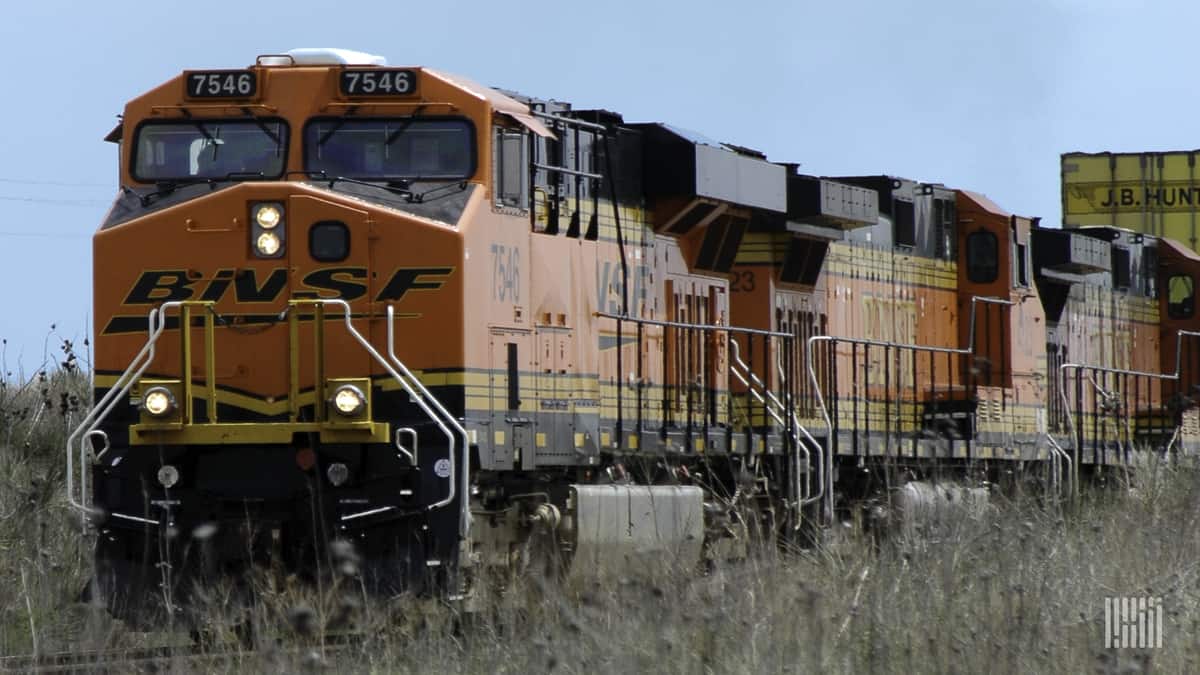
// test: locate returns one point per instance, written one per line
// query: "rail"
(769, 404)
(866, 344)
(425, 400)
(77, 442)
(774, 407)
(103, 408)
(811, 499)
(412, 386)
(1115, 401)
(184, 658)
(688, 329)
(1061, 456)
(569, 132)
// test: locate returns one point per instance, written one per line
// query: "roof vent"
(323, 56)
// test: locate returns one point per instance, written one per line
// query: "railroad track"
(153, 659)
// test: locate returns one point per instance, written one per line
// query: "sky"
(974, 94)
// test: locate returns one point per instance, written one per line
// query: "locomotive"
(474, 333)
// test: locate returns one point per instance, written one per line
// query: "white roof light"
(329, 56)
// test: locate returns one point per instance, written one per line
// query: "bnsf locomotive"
(473, 332)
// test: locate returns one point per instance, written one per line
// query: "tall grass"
(1018, 588)
(43, 558)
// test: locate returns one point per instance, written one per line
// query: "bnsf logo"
(347, 283)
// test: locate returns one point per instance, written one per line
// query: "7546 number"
(378, 82)
(222, 84)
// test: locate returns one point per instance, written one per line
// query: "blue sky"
(974, 94)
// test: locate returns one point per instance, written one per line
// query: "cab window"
(406, 148)
(1181, 296)
(983, 262)
(209, 149)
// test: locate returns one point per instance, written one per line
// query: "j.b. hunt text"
(1151, 197)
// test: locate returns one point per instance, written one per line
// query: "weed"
(1015, 588)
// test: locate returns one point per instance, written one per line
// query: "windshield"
(384, 149)
(170, 151)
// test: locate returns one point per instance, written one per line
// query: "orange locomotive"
(337, 300)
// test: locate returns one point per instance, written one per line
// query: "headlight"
(168, 476)
(158, 401)
(268, 229)
(349, 400)
(267, 244)
(268, 216)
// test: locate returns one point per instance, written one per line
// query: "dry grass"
(1018, 589)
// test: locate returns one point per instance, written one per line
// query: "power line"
(55, 202)
(29, 181)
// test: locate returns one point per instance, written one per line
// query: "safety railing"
(691, 377)
(785, 417)
(1117, 395)
(445, 421)
(78, 440)
(898, 370)
(458, 478)
(569, 132)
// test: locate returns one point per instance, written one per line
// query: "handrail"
(820, 465)
(156, 322)
(410, 454)
(1062, 455)
(710, 327)
(801, 489)
(812, 371)
(464, 525)
(986, 299)
(1066, 402)
(804, 491)
(569, 121)
(771, 404)
(347, 316)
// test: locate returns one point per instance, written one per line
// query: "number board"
(220, 84)
(377, 82)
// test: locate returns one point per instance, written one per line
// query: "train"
(474, 334)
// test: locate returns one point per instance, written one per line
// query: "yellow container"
(1153, 192)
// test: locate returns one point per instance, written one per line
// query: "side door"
(510, 384)
(555, 437)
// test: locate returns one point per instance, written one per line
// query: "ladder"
(802, 440)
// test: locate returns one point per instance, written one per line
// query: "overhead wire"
(32, 181)
(50, 201)
(54, 202)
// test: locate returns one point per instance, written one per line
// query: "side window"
(510, 170)
(1021, 261)
(1019, 254)
(943, 228)
(1181, 296)
(983, 263)
(1149, 269)
(904, 223)
(1120, 267)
